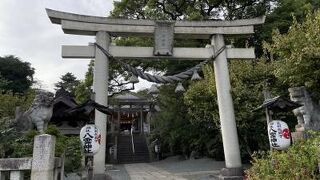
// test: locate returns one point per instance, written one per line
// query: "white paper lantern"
(90, 137)
(279, 135)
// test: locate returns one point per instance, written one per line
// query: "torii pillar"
(99, 26)
(101, 73)
(226, 112)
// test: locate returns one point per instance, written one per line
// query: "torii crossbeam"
(164, 32)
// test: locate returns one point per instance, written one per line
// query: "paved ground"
(169, 169)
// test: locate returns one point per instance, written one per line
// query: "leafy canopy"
(15, 75)
(296, 54)
(68, 82)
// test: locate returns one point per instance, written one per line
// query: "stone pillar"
(226, 112)
(101, 97)
(43, 157)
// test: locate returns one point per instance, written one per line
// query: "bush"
(300, 161)
(17, 145)
(73, 155)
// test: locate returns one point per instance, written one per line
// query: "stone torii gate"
(164, 32)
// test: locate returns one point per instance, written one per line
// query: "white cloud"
(26, 32)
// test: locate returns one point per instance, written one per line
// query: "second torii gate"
(164, 32)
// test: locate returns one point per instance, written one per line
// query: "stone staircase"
(125, 154)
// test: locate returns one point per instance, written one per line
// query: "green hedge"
(299, 161)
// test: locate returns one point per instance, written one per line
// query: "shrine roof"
(129, 99)
(279, 104)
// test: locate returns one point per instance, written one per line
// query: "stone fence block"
(14, 164)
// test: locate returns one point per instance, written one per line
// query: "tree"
(8, 104)
(189, 10)
(280, 17)
(118, 81)
(296, 54)
(3, 82)
(83, 89)
(68, 82)
(248, 79)
(17, 75)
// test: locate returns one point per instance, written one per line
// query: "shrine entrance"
(164, 34)
(130, 114)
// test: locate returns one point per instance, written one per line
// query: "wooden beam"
(127, 52)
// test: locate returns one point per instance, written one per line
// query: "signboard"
(90, 137)
(279, 135)
(163, 38)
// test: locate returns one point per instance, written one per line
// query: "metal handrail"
(133, 150)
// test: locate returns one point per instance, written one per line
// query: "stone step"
(125, 154)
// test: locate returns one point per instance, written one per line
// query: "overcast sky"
(26, 32)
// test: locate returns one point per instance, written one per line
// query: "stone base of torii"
(103, 28)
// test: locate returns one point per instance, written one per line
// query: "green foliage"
(171, 126)
(299, 161)
(188, 10)
(73, 154)
(68, 82)
(3, 82)
(22, 146)
(9, 102)
(248, 79)
(180, 134)
(297, 54)
(201, 100)
(16, 76)
(83, 89)
(16, 145)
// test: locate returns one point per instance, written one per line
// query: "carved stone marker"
(43, 157)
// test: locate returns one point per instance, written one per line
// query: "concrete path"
(143, 171)
(171, 168)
